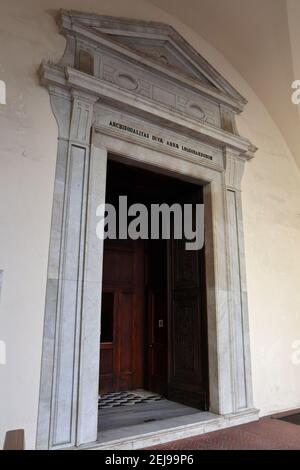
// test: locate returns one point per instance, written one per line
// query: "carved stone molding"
(235, 166)
(82, 116)
(136, 89)
(72, 79)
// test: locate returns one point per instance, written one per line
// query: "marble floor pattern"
(150, 415)
(124, 398)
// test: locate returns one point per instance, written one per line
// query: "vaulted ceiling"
(261, 39)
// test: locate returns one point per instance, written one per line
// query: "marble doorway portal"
(138, 91)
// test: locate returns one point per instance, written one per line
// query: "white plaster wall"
(28, 133)
(271, 201)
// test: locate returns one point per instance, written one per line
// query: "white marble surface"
(1, 281)
(167, 430)
(70, 364)
(113, 419)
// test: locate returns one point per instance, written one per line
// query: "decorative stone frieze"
(137, 90)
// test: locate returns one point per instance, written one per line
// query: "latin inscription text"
(159, 140)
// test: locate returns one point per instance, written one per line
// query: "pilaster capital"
(234, 169)
(82, 116)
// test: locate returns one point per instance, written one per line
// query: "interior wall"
(256, 37)
(271, 199)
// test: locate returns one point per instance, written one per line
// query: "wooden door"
(121, 339)
(188, 369)
(157, 324)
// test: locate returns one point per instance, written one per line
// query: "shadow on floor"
(142, 413)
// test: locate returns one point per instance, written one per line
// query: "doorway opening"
(153, 345)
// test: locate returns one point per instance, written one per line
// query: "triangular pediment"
(165, 53)
(158, 43)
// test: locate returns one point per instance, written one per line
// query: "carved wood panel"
(188, 381)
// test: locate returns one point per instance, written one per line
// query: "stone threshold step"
(140, 436)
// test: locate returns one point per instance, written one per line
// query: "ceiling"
(260, 39)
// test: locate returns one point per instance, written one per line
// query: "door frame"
(222, 345)
(213, 189)
(99, 111)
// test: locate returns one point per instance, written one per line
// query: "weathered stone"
(166, 108)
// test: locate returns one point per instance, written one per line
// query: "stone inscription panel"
(130, 128)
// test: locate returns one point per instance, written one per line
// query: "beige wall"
(28, 133)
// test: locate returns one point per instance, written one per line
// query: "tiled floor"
(134, 397)
(266, 434)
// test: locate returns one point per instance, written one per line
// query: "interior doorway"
(153, 318)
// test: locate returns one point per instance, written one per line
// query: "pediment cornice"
(150, 43)
(100, 61)
(67, 80)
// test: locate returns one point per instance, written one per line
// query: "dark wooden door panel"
(157, 350)
(107, 346)
(125, 361)
(157, 347)
(188, 377)
(107, 381)
(186, 362)
(121, 317)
